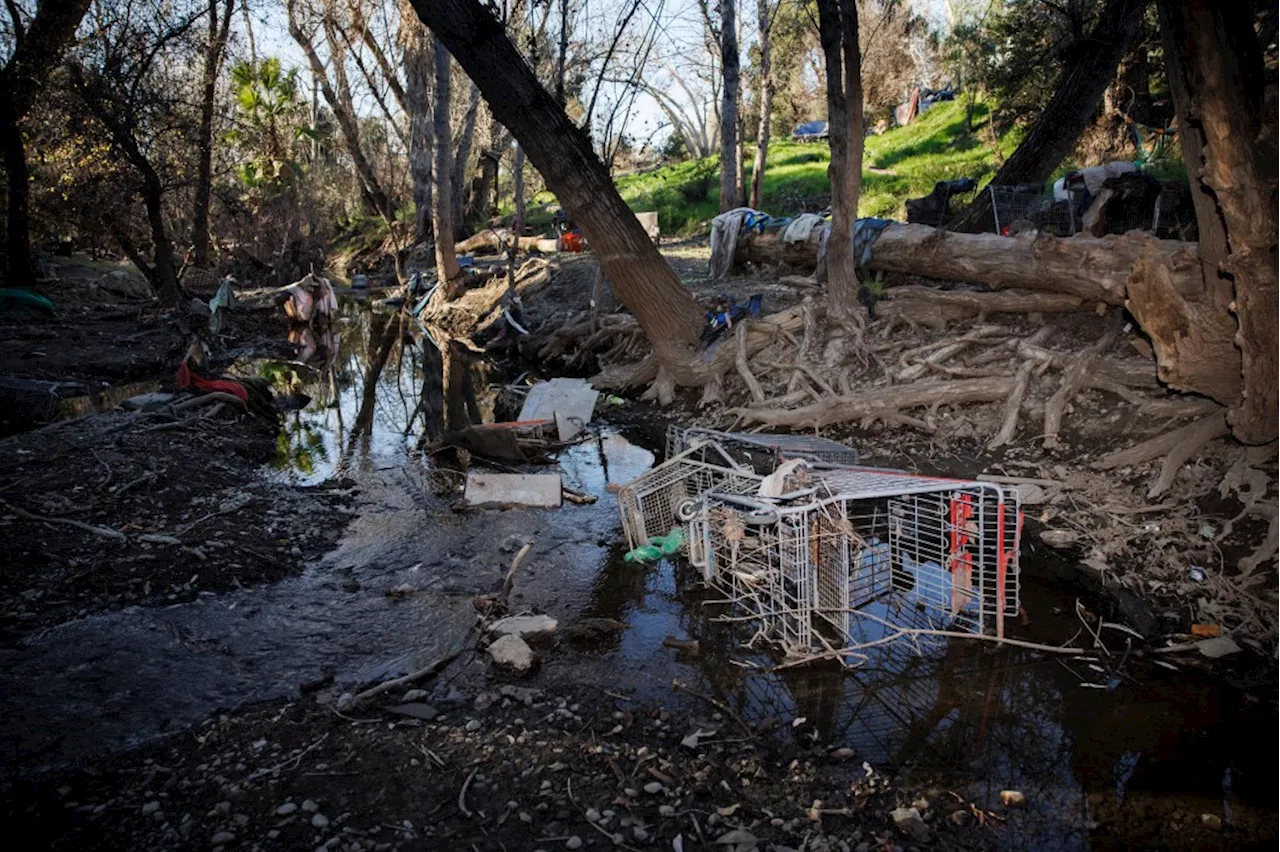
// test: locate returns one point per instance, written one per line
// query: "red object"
(572, 241)
(185, 379)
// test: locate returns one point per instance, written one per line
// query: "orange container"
(572, 241)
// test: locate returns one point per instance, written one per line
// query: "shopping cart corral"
(826, 558)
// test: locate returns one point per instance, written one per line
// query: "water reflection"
(380, 385)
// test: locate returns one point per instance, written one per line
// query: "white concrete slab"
(561, 400)
(532, 489)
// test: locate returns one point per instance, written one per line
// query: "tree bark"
(838, 26)
(215, 50)
(517, 221)
(418, 72)
(36, 53)
(1070, 110)
(1216, 78)
(448, 272)
(729, 162)
(371, 191)
(462, 159)
(765, 16)
(563, 155)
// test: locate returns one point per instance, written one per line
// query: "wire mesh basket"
(1019, 208)
(775, 448)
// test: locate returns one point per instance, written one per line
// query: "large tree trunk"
(164, 272)
(214, 51)
(517, 221)
(375, 199)
(729, 154)
(1216, 78)
(418, 72)
(765, 16)
(1193, 343)
(448, 272)
(563, 155)
(36, 53)
(1090, 70)
(838, 25)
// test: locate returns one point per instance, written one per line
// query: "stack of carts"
(819, 543)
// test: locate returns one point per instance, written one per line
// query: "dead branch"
(881, 402)
(1056, 407)
(1162, 444)
(744, 370)
(1012, 405)
(104, 532)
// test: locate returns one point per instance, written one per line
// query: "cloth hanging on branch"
(724, 238)
(865, 233)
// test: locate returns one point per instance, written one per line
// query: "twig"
(462, 794)
(292, 762)
(425, 671)
(104, 532)
(511, 572)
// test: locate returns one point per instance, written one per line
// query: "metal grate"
(1018, 208)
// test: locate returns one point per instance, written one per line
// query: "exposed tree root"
(1056, 407)
(1177, 447)
(882, 403)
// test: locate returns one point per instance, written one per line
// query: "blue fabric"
(865, 234)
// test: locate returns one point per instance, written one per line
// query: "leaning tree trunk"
(563, 155)
(1089, 71)
(1216, 78)
(517, 221)
(462, 159)
(766, 103)
(417, 65)
(164, 270)
(1194, 348)
(838, 25)
(448, 272)
(214, 51)
(729, 154)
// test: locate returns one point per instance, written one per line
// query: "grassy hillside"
(903, 163)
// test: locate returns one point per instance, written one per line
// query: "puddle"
(986, 719)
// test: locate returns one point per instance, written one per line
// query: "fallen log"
(497, 240)
(883, 402)
(1095, 269)
(938, 308)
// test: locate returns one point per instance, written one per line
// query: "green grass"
(907, 162)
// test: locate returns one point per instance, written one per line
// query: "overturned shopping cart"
(810, 550)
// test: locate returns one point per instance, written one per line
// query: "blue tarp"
(811, 128)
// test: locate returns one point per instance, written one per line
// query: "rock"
(1220, 646)
(960, 818)
(574, 842)
(222, 837)
(286, 809)
(1012, 798)
(593, 815)
(416, 710)
(640, 834)
(842, 754)
(149, 808)
(1211, 821)
(653, 788)
(909, 821)
(472, 726)
(310, 806)
(320, 821)
(524, 626)
(414, 695)
(124, 282)
(513, 652)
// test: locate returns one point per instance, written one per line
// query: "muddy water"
(1108, 740)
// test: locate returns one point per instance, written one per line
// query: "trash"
(693, 741)
(740, 839)
(359, 281)
(644, 553)
(801, 227)
(524, 489)
(684, 646)
(513, 652)
(658, 547)
(1206, 631)
(725, 229)
(649, 221)
(780, 446)
(223, 300)
(524, 626)
(1060, 539)
(570, 403)
(725, 312)
(909, 821)
(12, 299)
(1012, 798)
(1219, 646)
(311, 298)
(148, 401)
(1196, 573)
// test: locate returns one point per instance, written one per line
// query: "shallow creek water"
(1063, 732)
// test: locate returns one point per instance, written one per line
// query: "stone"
(416, 710)
(1211, 821)
(222, 837)
(149, 808)
(414, 695)
(842, 754)
(286, 809)
(524, 626)
(310, 806)
(1060, 539)
(320, 821)
(513, 652)
(472, 726)
(574, 842)
(653, 787)
(909, 821)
